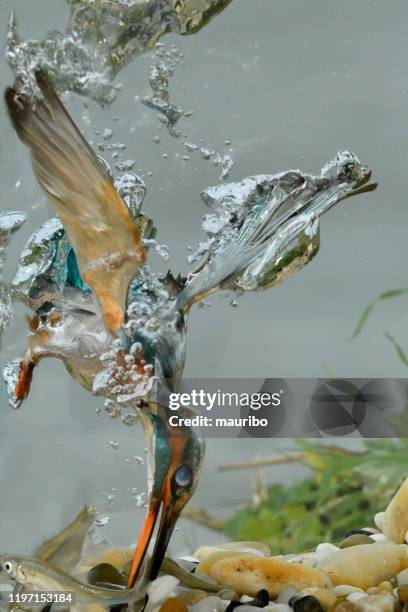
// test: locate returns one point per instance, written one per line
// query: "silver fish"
(41, 576)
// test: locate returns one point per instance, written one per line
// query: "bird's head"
(178, 456)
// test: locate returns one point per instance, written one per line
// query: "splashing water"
(265, 228)
(160, 74)
(101, 37)
(10, 222)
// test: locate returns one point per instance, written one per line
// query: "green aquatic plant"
(343, 492)
(367, 312)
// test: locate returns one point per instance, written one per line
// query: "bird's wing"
(108, 246)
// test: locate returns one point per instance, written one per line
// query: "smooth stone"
(342, 590)
(355, 540)
(259, 546)
(380, 537)
(403, 594)
(280, 607)
(383, 587)
(210, 604)
(285, 596)
(252, 548)
(161, 588)
(206, 551)
(366, 565)
(395, 519)
(227, 594)
(174, 604)
(326, 597)
(324, 550)
(248, 575)
(375, 603)
(205, 566)
(355, 597)
(379, 520)
(306, 603)
(192, 596)
(402, 578)
(344, 606)
(364, 531)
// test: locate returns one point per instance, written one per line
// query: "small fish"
(169, 566)
(39, 575)
(64, 549)
(105, 574)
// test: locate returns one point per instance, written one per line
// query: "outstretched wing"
(108, 247)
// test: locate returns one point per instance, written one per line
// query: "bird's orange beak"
(169, 515)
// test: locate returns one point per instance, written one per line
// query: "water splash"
(101, 37)
(10, 222)
(265, 227)
(160, 74)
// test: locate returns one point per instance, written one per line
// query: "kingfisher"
(117, 326)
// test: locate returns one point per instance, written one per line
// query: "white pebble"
(285, 596)
(379, 519)
(402, 577)
(342, 590)
(210, 604)
(160, 589)
(355, 597)
(378, 537)
(325, 550)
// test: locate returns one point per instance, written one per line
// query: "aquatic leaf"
(362, 320)
(401, 354)
(386, 295)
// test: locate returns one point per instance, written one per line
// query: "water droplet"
(101, 521)
(130, 419)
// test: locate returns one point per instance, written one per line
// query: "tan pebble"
(366, 565)
(204, 567)
(342, 590)
(355, 540)
(383, 587)
(403, 577)
(192, 596)
(174, 604)
(375, 603)
(395, 519)
(245, 547)
(248, 575)
(327, 598)
(403, 593)
(344, 606)
(259, 546)
(379, 520)
(206, 551)
(227, 594)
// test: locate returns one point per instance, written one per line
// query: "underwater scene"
(203, 306)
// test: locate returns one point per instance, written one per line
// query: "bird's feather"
(108, 246)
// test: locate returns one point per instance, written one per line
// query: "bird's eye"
(183, 477)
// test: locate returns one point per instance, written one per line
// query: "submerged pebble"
(248, 575)
(365, 565)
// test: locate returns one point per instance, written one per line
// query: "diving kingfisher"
(118, 327)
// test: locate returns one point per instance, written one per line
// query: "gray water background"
(289, 82)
